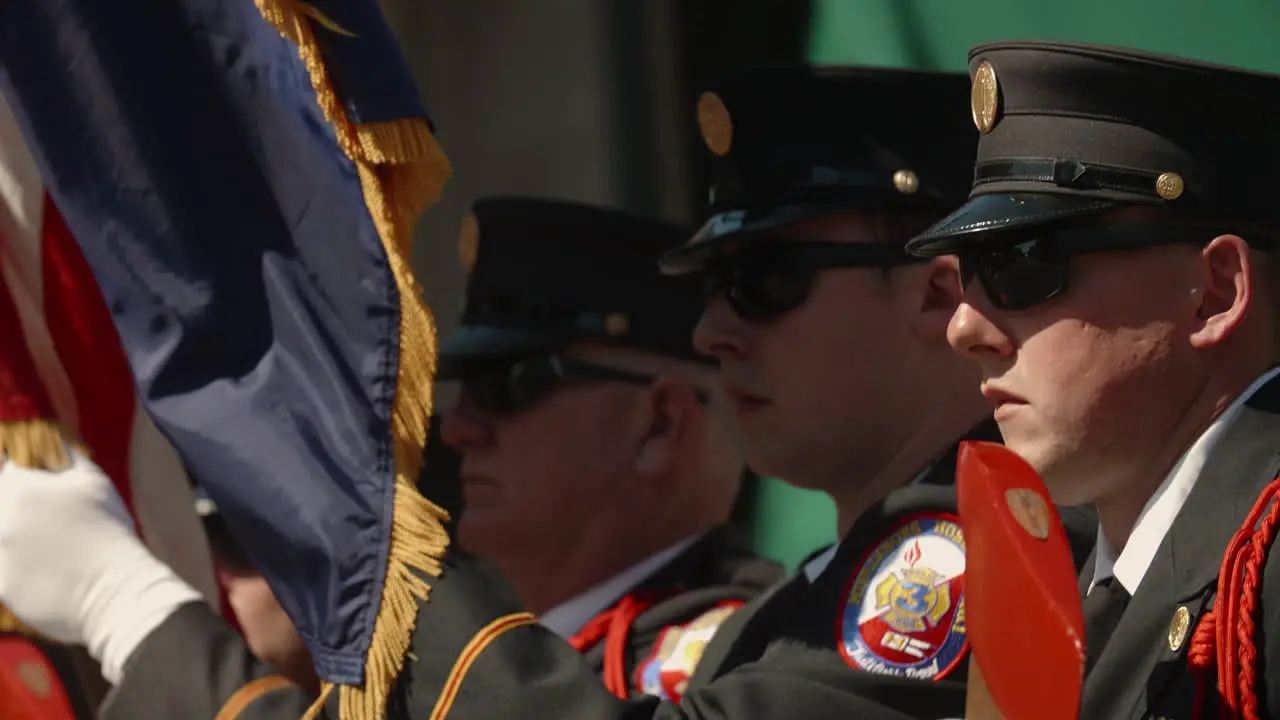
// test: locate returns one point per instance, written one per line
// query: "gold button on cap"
(1170, 186)
(616, 324)
(906, 182)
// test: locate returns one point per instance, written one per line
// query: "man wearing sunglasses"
(267, 628)
(832, 348)
(1122, 303)
(595, 474)
(843, 165)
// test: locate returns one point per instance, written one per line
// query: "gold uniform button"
(1179, 626)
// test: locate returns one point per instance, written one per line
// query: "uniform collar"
(938, 472)
(570, 616)
(1157, 516)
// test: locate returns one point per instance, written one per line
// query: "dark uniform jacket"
(879, 635)
(1143, 670)
(703, 585)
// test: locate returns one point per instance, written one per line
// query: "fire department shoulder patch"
(904, 607)
(666, 672)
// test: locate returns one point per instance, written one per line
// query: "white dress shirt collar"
(818, 564)
(1157, 516)
(570, 616)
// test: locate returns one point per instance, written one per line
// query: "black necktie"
(1102, 610)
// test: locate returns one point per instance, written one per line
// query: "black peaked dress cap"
(1072, 131)
(790, 143)
(543, 273)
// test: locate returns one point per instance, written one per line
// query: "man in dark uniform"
(1122, 302)
(860, 159)
(267, 628)
(819, 180)
(595, 471)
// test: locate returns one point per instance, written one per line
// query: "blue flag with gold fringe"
(243, 178)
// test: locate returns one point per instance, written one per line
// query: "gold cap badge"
(1030, 510)
(1170, 186)
(469, 242)
(715, 123)
(984, 97)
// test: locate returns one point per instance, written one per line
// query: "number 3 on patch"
(904, 609)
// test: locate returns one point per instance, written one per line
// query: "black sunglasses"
(517, 384)
(768, 278)
(1020, 270)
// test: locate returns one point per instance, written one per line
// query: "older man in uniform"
(819, 319)
(1122, 302)
(267, 628)
(596, 471)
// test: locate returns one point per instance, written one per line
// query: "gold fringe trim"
(41, 445)
(9, 623)
(38, 444)
(402, 170)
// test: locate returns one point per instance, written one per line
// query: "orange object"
(614, 626)
(1022, 605)
(29, 686)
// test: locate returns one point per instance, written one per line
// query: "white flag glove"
(72, 567)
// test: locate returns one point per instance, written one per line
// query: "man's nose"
(720, 333)
(972, 332)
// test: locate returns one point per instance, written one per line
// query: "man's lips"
(745, 402)
(1000, 397)
(475, 479)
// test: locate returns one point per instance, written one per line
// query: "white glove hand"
(72, 567)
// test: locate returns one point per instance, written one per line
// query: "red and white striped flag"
(77, 354)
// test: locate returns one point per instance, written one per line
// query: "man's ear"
(941, 296)
(670, 412)
(1224, 290)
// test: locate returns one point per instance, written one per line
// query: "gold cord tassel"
(402, 170)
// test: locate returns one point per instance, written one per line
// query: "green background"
(937, 34)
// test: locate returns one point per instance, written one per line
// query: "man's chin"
(1066, 488)
(1041, 459)
(479, 534)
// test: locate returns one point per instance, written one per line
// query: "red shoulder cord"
(1224, 637)
(613, 626)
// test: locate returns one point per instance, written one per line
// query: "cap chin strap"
(1068, 173)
